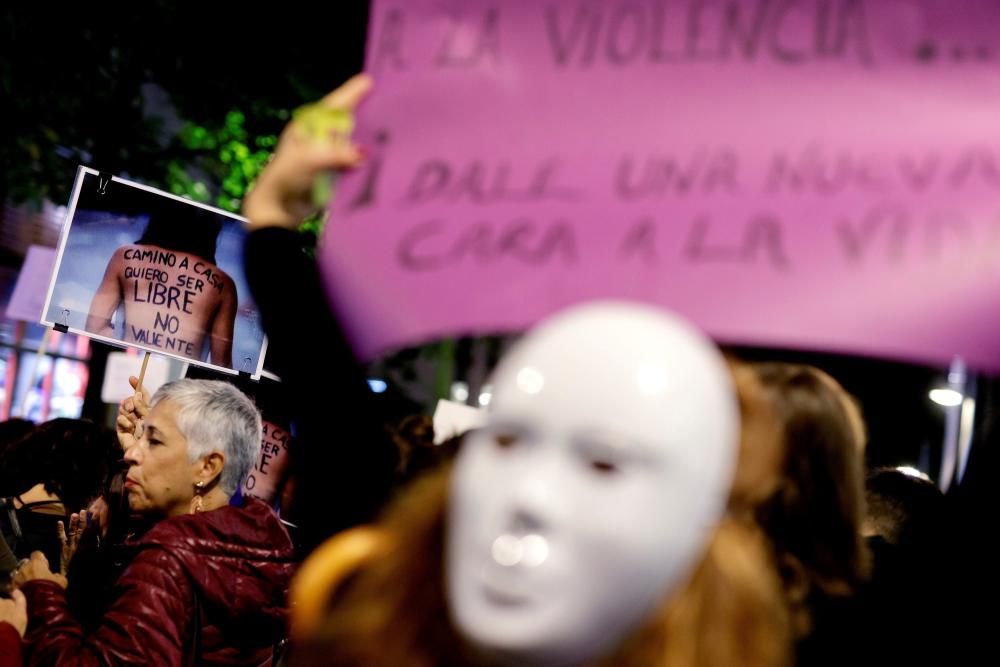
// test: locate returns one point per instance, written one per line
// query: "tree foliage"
(181, 95)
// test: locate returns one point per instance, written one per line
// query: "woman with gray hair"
(206, 584)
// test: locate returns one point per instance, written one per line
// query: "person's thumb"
(20, 601)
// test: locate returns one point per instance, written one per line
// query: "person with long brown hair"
(676, 573)
(814, 519)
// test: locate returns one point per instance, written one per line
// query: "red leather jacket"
(10, 646)
(235, 562)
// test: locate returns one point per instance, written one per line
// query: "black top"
(343, 460)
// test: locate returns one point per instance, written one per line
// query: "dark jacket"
(230, 568)
(341, 481)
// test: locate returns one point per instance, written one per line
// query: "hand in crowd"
(282, 195)
(15, 612)
(131, 412)
(78, 523)
(36, 568)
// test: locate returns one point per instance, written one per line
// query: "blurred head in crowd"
(13, 430)
(414, 438)
(70, 457)
(901, 507)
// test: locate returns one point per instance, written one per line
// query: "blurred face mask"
(591, 492)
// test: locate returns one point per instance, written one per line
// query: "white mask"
(591, 493)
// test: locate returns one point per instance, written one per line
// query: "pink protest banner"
(32, 285)
(819, 174)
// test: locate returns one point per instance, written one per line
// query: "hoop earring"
(196, 502)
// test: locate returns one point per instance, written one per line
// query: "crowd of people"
(644, 502)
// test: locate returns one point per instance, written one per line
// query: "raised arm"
(282, 195)
(349, 477)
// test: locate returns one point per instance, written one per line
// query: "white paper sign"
(121, 365)
(451, 419)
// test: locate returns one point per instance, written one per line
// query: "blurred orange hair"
(391, 609)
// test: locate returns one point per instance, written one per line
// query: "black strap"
(194, 646)
(36, 503)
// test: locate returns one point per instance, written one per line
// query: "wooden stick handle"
(142, 374)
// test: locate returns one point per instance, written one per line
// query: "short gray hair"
(216, 416)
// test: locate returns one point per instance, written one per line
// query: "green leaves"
(191, 103)
(220, 162)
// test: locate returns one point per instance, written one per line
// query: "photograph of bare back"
(143, 268)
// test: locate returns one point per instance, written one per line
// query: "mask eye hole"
(603, 467)
(505, 440)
